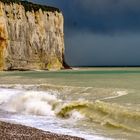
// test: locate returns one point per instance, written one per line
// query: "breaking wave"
(105, 114)
(48, 103)
(29, 102)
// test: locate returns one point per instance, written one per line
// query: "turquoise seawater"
(100, 102)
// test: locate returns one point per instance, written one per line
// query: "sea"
(92, 103)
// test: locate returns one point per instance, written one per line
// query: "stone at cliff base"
(30, 39)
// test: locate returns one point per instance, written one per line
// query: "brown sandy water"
(93, 103)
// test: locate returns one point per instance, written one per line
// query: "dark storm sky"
(100, 32)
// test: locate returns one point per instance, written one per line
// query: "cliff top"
(29, 6)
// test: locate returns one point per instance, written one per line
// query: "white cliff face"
(30, 40)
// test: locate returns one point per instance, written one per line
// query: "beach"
(9, 131)
(88, 104)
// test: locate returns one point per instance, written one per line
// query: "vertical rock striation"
(30, 37)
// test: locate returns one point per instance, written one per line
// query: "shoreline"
(9, 131)
(17, 131)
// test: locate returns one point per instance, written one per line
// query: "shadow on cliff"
(65, 65)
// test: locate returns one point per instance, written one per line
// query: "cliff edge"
(31, 36)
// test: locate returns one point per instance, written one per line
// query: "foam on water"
(28, 102)
(38, 109)
(6, 94)
(46, 110)
(75, 115)
(118, 94)
(50, 124)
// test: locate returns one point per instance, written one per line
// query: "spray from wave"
(47, 103)
(28, 102)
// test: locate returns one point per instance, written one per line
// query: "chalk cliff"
(31, 36)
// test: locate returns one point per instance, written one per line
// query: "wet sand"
(9, 131)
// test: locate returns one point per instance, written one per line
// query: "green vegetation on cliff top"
(29, 6)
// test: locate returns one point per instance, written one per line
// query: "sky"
(100, 32)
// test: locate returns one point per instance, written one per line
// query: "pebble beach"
(9, 131)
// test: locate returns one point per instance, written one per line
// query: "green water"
(109, 98)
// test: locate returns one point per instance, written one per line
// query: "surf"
(26, 100)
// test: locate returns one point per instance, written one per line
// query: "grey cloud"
(99, 16)
(109, 6)
(88, 49)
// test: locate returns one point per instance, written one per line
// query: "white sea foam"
(118, 94)
(30, 102)
(75, 115)
(6, 94)
(27, 102)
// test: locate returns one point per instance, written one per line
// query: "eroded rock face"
(30, 39)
